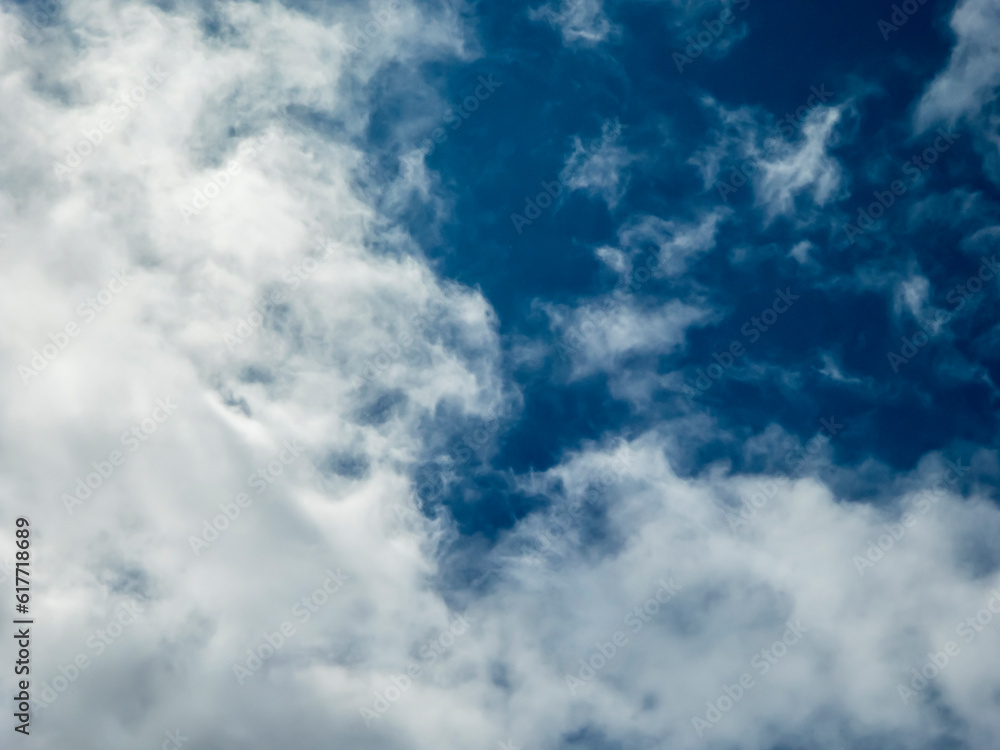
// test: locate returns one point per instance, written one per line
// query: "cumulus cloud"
(227, 359)
(236, 412)
(751, 554)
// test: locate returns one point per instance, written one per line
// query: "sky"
(549, 375)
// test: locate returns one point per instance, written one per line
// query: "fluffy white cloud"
(798, 553)
(268, 329)
(204, 302)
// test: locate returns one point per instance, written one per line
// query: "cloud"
(804, 167)
(966, 90)
(268, 298)
(781, 160)
(598, 167)
(586, 22)
(969, 82)
(797, 554)
(599, 333)
(241, 360)
(801, 251)
(678, 244)
(579, 21)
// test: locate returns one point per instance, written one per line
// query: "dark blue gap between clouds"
(520, 137)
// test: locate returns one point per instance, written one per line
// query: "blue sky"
(562, 375)
(830, 357)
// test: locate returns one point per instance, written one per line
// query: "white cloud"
(243, 97)
(579, 21)
(973, 73)
(780, 160)
(678, 244)
(372, 308)
(801, 251)
(586, 23)
(599, 166)
(965, 92)
(802, 167)
(599, 333)
(793, 558)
